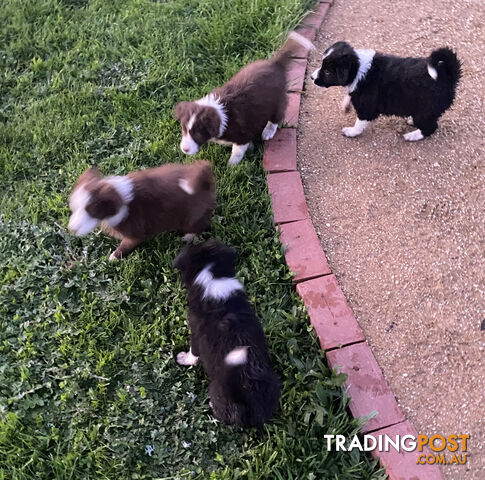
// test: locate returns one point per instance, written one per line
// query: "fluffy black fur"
(246, 394)
(394, 85)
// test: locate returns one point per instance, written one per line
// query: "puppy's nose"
(185, 149)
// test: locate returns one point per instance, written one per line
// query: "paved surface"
(403, 225)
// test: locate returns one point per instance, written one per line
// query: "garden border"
(334, 323)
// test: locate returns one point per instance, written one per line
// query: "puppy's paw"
(413, 136)
(187, 358)
(113, 257)
(351, 132)
(345, 105)
(188, 237)
(234, 160)
(269, 131)
(410, 121)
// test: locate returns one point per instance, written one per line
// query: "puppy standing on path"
(421, 88)
(251, 103)
(227, 337)
(142, 204)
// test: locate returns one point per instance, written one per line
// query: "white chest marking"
(216, 288)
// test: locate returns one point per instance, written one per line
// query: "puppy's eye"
(326, 72)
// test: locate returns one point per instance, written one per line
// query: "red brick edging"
(333, 321)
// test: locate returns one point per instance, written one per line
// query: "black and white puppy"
(420, 88)
(227, 337)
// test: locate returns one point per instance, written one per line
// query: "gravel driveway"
(403, 224)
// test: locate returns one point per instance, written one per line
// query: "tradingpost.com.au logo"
(445, 450)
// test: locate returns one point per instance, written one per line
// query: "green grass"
(87, 371)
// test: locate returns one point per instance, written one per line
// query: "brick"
(366, 386)
(296, 75)
(308, 32)
(287, 197)
(331, 317)
(402, 465)
(321, 9)
(280, 152)
(303, 252)
(315, 18)
(292, 110)
(330, 2)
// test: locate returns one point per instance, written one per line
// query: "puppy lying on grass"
(137, 206)
(227, 337)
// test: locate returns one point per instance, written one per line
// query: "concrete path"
(403, 225)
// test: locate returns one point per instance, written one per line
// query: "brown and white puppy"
(137, 206)
(252, 102)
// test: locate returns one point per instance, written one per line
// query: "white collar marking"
(115, 220)
(365, 62)
(123, 185)
(216, 288)
(212, 101)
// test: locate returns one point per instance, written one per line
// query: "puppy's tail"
(236, 357)
(198, 177)
(252, 394)
(289, 49)
(443, 64)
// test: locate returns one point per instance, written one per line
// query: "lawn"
(89, 388)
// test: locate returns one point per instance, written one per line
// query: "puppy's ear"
(211, 121)
(90, 174)
(180, 110)
(228, 256)
(102, 203)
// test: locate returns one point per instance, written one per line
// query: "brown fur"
(254, 96)
(159, 204)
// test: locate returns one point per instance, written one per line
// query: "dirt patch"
(403, 224)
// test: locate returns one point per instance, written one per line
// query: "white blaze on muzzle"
(80, 222)
(188, 145)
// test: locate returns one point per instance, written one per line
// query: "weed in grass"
(89, 388)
